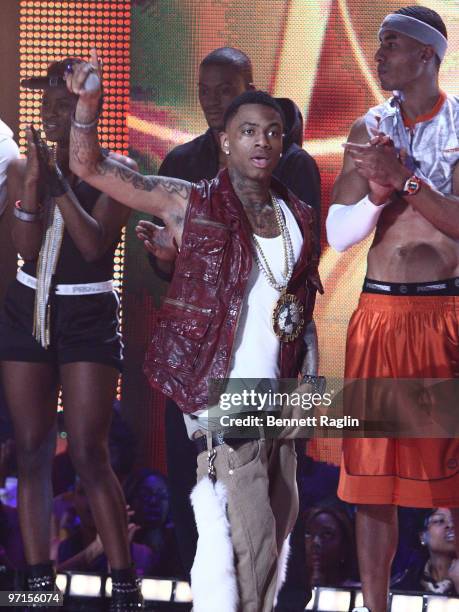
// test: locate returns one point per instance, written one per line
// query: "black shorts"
(83, 328)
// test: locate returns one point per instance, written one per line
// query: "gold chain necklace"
(287, 317)
(260, 257)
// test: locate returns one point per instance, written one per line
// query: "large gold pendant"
(287, 318)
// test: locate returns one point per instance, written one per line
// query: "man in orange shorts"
(400, 176)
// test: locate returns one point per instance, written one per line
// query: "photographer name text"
(269, 420)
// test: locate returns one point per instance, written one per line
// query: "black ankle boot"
(126, 593)
(41, 577)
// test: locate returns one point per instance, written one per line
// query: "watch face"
(412, 185)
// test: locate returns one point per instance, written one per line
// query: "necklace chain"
(260, 257)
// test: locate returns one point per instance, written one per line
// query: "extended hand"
(85, 79)
(297, 407)
(157, 240)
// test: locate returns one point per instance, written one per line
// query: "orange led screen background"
(317, 52)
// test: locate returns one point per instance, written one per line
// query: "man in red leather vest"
(245, 245)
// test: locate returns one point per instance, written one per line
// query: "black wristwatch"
(318, 383)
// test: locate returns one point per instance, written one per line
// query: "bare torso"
(408, 248)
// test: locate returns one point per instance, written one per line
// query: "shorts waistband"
(441, 304)
(78, 289)
(449, 287)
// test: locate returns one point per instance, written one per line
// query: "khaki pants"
(262, 509)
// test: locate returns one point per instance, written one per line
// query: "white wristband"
(349, 224)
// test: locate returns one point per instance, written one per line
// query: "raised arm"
(94, 233)
(160, 196)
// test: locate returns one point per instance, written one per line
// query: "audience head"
(437, 535)
(224, 74)
(330, 545)
(148, 497)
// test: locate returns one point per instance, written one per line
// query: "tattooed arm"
(163, 197)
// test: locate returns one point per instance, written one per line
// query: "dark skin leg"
(88, 394)
(377, 536)
(31, 394)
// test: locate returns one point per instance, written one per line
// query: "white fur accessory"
(213, 576)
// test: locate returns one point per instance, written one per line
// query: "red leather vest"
(196, 325)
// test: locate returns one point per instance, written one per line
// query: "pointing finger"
(93, 59)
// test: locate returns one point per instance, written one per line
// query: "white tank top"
(256, 346)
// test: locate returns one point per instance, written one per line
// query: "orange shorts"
(402, 337)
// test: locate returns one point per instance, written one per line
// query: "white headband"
(416, 29)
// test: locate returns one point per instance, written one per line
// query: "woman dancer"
(60, 328)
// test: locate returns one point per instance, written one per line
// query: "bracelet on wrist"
(24, 215)
(85, 126)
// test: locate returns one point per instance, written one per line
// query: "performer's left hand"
(85, 80)
(294, 410)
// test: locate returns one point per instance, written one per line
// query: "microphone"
(92, 83)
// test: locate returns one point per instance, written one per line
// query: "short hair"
(235, 58)
(252, 97)
(426, 15)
